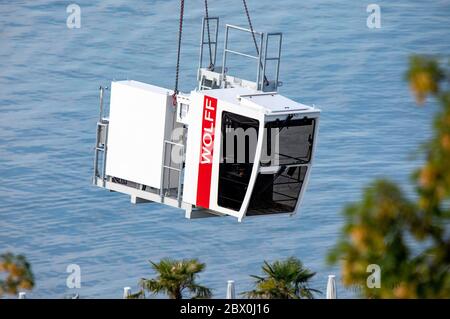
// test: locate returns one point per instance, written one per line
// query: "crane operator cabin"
(231, 146)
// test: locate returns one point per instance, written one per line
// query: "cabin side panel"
(193, 148)
(138, 117)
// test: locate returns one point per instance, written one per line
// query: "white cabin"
(230, 147)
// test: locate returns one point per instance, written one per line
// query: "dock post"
(126, 292)
(331, 287)
(230, 290)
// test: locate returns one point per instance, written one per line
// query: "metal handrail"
(102, 93)
(277, 58)
(232, 26)
(203, 42)
(101, 123)
(257, 57)
(173, 143)
(179, 170)
(242, 54)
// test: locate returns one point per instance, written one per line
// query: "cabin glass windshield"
(277, 192)
(289, 144)
(295, 141)
(238, 147)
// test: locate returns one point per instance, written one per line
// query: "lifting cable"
(175, 90)
(180, 32)
(211, 64)
(266, 82)
(250, 25)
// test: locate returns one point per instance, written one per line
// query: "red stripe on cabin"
(206, 151)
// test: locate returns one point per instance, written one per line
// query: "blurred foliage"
(18, 274)
(283, 279)
(175, 278)
(138, 295)
(408, 239)
(424, 76)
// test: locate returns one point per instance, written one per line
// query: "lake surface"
(49, 78)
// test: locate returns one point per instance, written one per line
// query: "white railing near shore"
(231, 291)
(126, 292)
(331, 287)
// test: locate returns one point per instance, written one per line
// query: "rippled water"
(49, 76)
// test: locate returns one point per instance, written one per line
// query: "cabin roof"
(269, 103)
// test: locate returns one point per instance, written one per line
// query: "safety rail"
(257, 57)
(214, 77)
(277, 58)
(101, 142)
(205, 23)
(205, 75)
(165, 191)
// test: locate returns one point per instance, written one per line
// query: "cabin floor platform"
(150, 195)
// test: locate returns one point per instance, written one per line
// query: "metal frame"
(179, 170)
(276, 58)
(218, 75)
(203, 42)
(138, 193)
(102, 128)
(98, 149)
(261, 66)
(256, 57)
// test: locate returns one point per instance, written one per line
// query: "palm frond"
(283, 279)
(173, 277)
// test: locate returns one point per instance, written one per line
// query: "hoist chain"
(266, 82)
(211, 64)
(180, 32)
(251, 26)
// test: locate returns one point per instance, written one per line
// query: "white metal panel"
(193, 148)
(225, 106)
(230, 95)
(274, 102)
(270, 102)
(137, 123)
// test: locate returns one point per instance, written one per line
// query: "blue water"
(49, 78)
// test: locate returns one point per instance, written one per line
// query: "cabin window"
(278, 188)
(238, 147)
(278, 192)
(295, 141)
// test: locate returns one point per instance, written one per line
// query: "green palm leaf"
(176, 278)
(283, 279)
